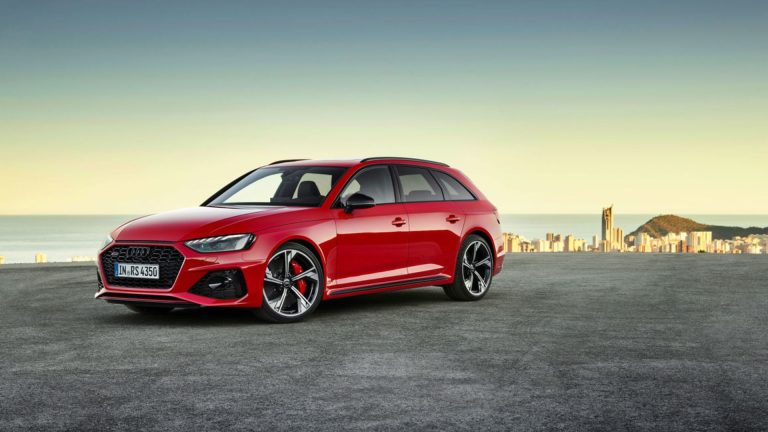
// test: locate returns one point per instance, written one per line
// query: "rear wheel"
(293, 284)
(474, 270)
(150, 310)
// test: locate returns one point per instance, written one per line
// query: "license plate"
(137, 271)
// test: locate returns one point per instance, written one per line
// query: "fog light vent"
(221, 284)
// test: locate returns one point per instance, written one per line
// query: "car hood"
(198, 222)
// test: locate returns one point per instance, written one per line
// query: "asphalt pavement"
(561, 342)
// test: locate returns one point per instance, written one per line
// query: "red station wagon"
(283, 237)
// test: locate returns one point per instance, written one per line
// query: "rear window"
(453, 189)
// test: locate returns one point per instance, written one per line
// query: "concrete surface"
(562, 342)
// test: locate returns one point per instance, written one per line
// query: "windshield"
(282, 186)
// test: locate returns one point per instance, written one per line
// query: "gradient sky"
(551, 107)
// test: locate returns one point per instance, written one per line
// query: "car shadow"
(222, 317)
(382, 301)
(203, 317)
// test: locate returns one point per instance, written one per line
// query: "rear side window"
(418, 185)
(376, 182)
(454, 191)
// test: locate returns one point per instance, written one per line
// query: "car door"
(372, 243)
(435, 224)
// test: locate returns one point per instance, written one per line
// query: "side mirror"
(358, 201)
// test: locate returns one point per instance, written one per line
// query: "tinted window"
(418, 185)
(300, 186)
(376, 182)
(454, 191)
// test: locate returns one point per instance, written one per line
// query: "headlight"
(226, 243)
(107, 241)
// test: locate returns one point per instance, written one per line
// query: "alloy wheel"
(291, 283)
(477, 267)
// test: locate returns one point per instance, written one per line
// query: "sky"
(550, 107)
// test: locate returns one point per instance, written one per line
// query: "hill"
(662, 225)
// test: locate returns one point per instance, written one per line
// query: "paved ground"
(569, 342)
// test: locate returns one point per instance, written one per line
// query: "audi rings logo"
(137, 252)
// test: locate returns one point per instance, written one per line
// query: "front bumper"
(194, 268)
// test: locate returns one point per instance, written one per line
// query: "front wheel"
(474, 270)
(293, 284)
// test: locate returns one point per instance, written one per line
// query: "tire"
(150, 310)
(472, 277)
(281, 302)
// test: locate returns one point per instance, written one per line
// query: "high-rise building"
(643, 242)
(2, 260)
(41, 258)
(700, 241)
(608, 224)
(542, 246)
(618, 240)
(570, 243)
(511, 242)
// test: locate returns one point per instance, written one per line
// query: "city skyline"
(550, 107)
(612, 240)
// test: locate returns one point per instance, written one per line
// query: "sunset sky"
(551, 107)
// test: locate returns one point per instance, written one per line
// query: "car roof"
(354, 162)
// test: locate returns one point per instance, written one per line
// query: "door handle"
(452, 219)
(398, 222)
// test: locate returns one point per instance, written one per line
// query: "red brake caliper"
(301, 284)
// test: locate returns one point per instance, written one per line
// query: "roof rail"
(403, 159)
(286, 160)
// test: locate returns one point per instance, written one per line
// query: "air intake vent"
(223, 284)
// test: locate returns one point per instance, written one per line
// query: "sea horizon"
(62, 237)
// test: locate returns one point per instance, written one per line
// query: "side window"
(418, 185)
(376, 182)
(454, 191)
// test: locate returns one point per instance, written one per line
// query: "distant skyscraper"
(570, 243)
(699, 241)
(608, 224)
(511, 242)
(618, 239)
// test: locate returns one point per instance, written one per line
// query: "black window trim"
(394, 176)
(474, 197)
(337, 201)
(399, 186)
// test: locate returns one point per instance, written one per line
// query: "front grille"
(169, 259)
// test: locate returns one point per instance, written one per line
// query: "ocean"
(64, 237)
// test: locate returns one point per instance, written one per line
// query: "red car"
(285, 236)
